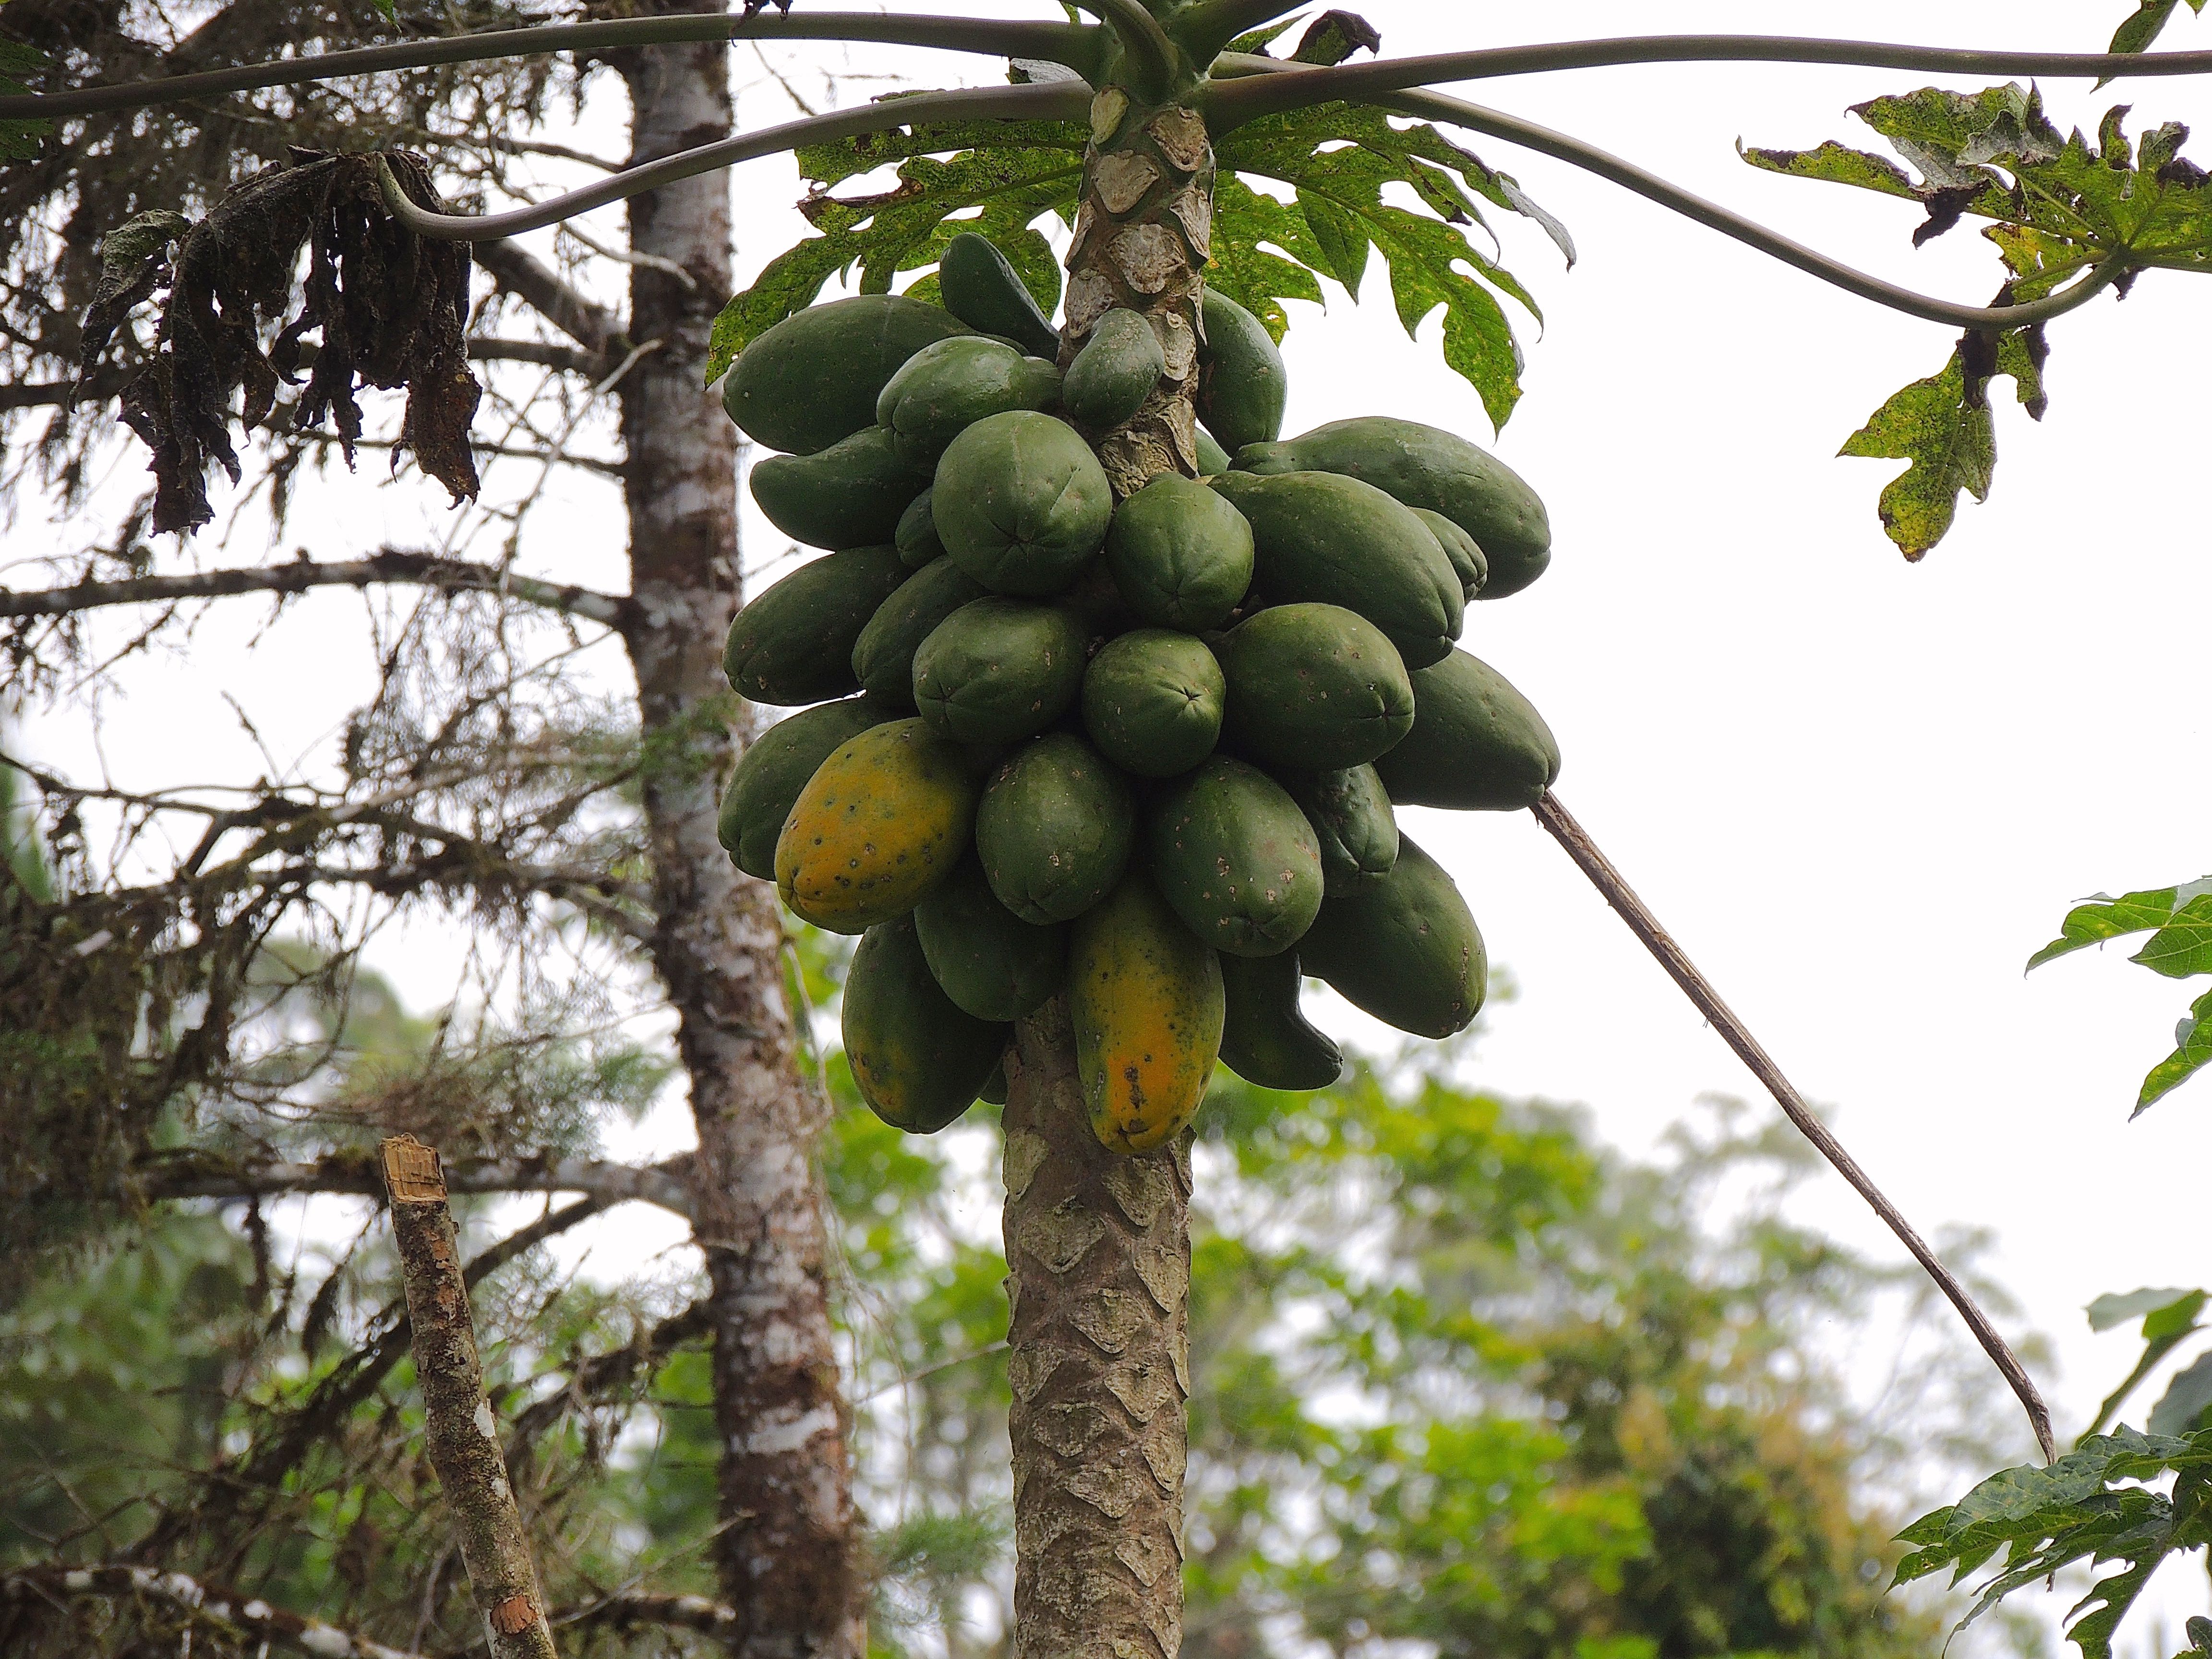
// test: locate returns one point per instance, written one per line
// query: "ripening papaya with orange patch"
(880, 824)
(1145, 993)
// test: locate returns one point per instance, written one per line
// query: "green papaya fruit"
(883, 657)
(1404, 950)
(1153, 702)
(1351, 816)
(1110, 379)
(1313, 685)
(982, 290)
(1264, 1038)
(944, 389)
(1181, 555)
(998, 669)
(917, 535)
(794, 643)
(919, 1061)
(1242, 386)
(993, 1091)
(1477, 744)
(776, 766)
(850, 495)
(1021, 503)
(1236, 858)
(1212, 458)
(882, 821)
(990, 963)
(1054, 828)
(1335, 540)
(811, 380)
(1468, 561)
(1423, 466)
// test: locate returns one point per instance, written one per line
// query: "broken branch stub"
(464, 1436)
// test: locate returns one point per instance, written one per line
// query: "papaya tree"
(1141, 680)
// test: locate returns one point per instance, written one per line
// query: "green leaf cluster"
(2170, 1317)
(2058, 205)
(2091, 1507)
(2179, 919)
(1343, 165)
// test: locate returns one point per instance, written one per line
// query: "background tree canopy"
(1463, 1377)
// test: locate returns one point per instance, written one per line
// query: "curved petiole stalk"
(1365, 81)
(1044, 100)
(1496, 123)
(1150, 53)
(1077, 45)
(1210, 25)
(1599, 869)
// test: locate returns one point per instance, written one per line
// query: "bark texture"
(786, 1562)
(1098, 1281)
(1142, 237)
(462, 1436)
(1098, 1245)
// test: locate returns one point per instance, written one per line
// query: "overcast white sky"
(1860, 793)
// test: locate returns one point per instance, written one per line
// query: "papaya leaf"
(996, 177)
(2102, 917)
(2145, 24)
(2192, 1051)
(19, 139)
(2168, 1317)
(2089, 1507)
(2187, 1397)
(1340, 161)
(2057, 204)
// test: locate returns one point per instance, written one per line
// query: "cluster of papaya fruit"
(1144, 752)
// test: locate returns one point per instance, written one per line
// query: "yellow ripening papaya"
(1144, 995)
(880, 824)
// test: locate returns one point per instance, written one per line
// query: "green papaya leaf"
(995, 177)
(2162, 1311)
(2192, 1051)
(2187, 1397)
(2145, 24)
(2102, 917)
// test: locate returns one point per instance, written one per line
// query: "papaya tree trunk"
(1098, 1243)
(786, 1558)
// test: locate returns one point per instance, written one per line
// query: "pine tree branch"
(604, 1373)
(1609, 881)
(463, 1435)
(249, 1618)
(1076, 45)
(1044, 100)
(1364, 83)
(203, 1174)
(1564, 147)
(106, 383)
(392, 565)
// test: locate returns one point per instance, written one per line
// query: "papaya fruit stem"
(1661, 943)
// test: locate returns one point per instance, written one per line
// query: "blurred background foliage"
(1464, 1382)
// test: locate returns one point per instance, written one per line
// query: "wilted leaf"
(387, 307)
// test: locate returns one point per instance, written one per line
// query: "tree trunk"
(787, 1560)
(1098, 1245)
